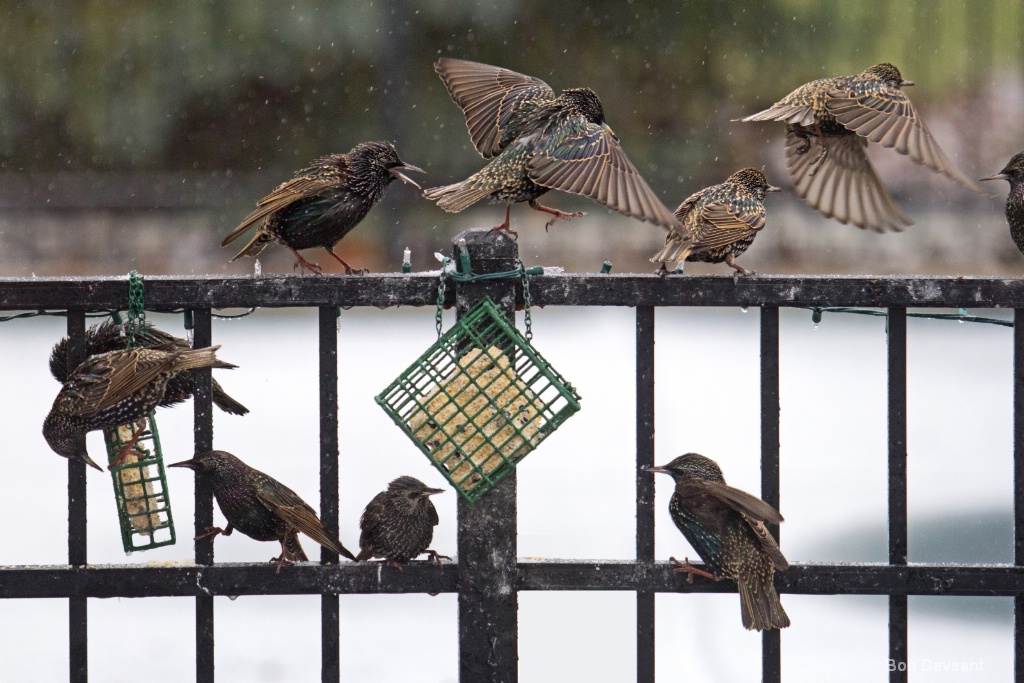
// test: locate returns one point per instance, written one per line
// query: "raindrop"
(744, 308)
(816, 326)
(232, 598)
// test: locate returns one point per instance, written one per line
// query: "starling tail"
(398, 524)
(1013, 173)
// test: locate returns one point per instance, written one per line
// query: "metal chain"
(527, 319)
(136, 322)
(440, 302)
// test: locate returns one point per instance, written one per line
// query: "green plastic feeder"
(479, 400)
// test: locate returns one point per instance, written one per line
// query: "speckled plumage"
(839, 116)
(538, 142)
(398, 524)
(1013, 173)
(323, 202)
(115, 388)
(107, 336)
(260, 506)
(726, 527)
(719, 222)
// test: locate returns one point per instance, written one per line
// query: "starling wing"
(755, 512)
(287, 505)
(493, 100)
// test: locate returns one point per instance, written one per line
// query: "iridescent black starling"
(260, 507)
(538, 142)
(726, 527)
(718, 222)
(115, 388)
(1014, 174)
(839, 116)
(324, 202)
(398, 524)
(107, 336)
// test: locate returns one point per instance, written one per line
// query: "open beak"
(997, 176)
(397, 172)
(191, 464)
(608, 129)
(904, 84)
(772, 188)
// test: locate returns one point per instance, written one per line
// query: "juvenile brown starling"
(260, 507)
(837, 117)
(398, 524)
(1014, 174)
(107, 336)
(322, 203)
(718, 222)
(115, 388)
(726, 527)
(538, 142)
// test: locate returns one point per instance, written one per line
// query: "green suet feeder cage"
(479, 400)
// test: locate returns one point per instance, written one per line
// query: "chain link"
(136, 322)
(527, 319)
(440, 302)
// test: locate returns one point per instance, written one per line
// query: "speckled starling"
(538, 142)
(718, 222)
(398, 524)
(324, 202)
(726, 527)
(1014, 174)
(107, 336)
(260, 507)
(838, 116)
(115, 388)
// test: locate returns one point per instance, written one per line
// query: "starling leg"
(730, 261)
(306, 265)
(822, 155)
(122, 455)
(690, 570)
(349, 270)
(212, 531)
(433, 556)
(558, 215)
(504, 226)
(662, 271)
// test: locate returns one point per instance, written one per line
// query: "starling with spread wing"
(1014, 174)
(398, 524)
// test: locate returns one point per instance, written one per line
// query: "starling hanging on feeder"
(324, 202)
(108, 336)
(830, 122)
(538, 142)
(115, 388)
(398, 524)
(1014, 174)
(726, 527)
(718, 222)
(260, 507)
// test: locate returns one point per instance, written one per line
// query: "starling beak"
(719, 222)
(839, 116)
(324, 202)
(538, 141)
(260, 506)
(1014, 174)
(398, 524)
(726, 526)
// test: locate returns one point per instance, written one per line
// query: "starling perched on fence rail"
(726, 527)
(107, 336)
(1013, 173)
(538, 142)
(398, 524)
(830, 122)
(116, 388)
(718, 222)
(323, 202)
(260, 507)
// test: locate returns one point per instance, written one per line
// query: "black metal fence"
(488, 576)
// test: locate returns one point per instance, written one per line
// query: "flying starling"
(260, 507)
(837, 117)
(726, 527)
(107, 336)
(718, 222)
(398, 524)
(115, 388)
(538, 142)
(322, 203)
(1014, 174)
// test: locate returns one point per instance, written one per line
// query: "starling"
(398, 524)
(107, 336)
(726, 527)
(839, 116)
(322, 203)
(260, 507)
(1014, 174)
(115, 388)
(718, 222)
(538, 142)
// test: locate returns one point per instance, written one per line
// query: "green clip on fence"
(479, 400)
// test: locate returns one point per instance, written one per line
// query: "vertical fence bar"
(202, 400)
(771, 640)
(78, 615)
(644, 488)
(1018, 484)
(330, 655)
(897, 372)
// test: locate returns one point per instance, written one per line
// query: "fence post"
(488, 602)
